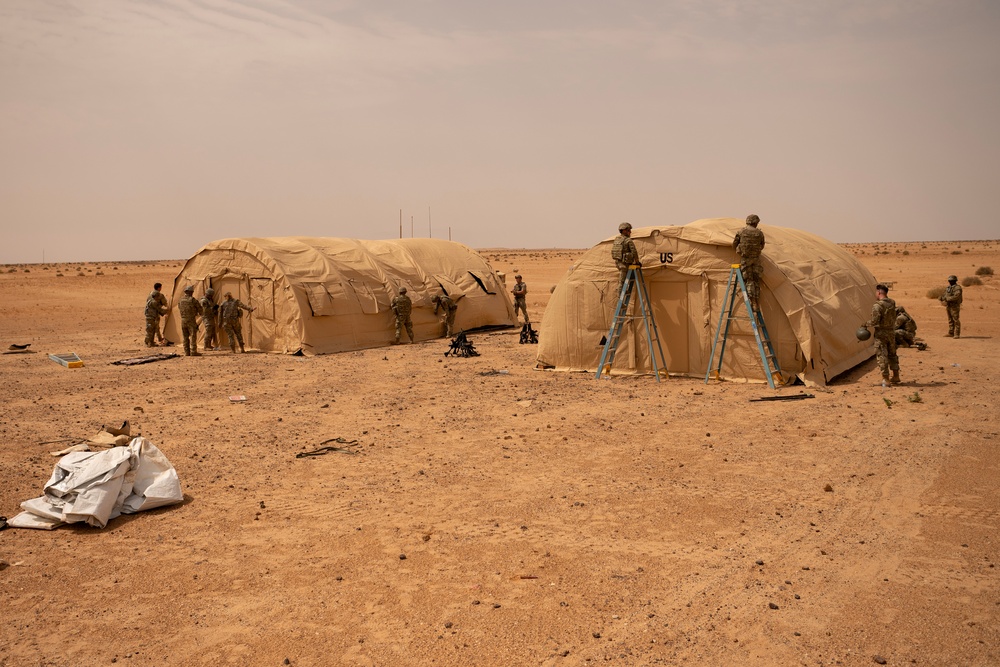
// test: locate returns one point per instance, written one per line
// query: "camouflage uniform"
(749, 243)
(190, 309)
(624, 253)
(229, 313)
(210, 312)
(449, 308)
(952, 299)
(402, 306)
(156, 305)
(520, 293)
(906, 328)
(883, 319)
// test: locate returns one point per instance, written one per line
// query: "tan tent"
(814, 297)
(322, 295)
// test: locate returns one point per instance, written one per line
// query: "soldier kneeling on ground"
(906, 328)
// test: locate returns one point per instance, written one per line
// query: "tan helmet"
(953, 279)
(402, 290)
(210, 292)
(753, 219)
(189, 289)
(625, 225)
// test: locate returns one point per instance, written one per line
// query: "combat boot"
(895, 377)
(241, 348)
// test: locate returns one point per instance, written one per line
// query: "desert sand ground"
(526, 518)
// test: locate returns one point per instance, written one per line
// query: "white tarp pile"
(96, 487)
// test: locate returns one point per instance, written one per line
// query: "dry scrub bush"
(935, 292)
(956, 252)
(969, 281)
(984, 271)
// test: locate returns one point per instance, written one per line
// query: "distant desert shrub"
(80, 273)
(59, 275)
(935, 292)
(906, 252)
(984, 271)
(12, 270)
(552, 289)
(27, 270)
(969, 281)
(956, 252)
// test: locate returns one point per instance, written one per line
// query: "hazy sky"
(143, 130)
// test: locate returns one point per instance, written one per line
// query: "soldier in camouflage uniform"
(883, 319)
(624, 253)
(520, 293)
(749, 243)
(952, 299)
(156, 306)
(906, 328)
(229, 313)
(448, 308)
(190, 310)
(209, 312)
(402, 306)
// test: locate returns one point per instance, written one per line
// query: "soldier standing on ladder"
(749, 243)
(624, 253)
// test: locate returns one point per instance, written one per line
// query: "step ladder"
(632, 279)
(767, 357)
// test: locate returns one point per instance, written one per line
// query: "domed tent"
(813, 297)
(322, 295)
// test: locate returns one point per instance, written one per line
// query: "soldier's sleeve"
(736, 241)
(876, 315)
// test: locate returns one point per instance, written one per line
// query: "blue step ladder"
(632, 279)
(767, 357)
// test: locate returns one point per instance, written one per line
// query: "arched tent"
(322, 295)
(814, 296)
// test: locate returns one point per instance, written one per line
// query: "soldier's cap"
(753, 219)
(229, 295)
(625, 225)
(882, 288)
(189, 288)
(209, 292)
(953, 279)
(402, 290)
(517, 275)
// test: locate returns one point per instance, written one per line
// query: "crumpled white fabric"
(95, 487)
